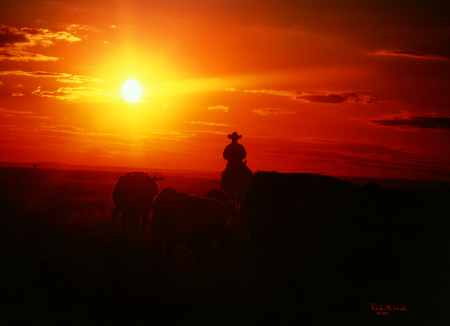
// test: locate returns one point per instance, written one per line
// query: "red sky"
(337, 87)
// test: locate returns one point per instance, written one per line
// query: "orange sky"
(337, 87)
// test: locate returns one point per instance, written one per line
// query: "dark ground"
(63, 261)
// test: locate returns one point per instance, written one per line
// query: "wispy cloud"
(336, 98)
(23, 114)
(19, 55)
(81, 29)
(61, 77)
(411, 55)
(71, 93)
(69, 130)
(271, 111)
(221, 108)
(208, 132)
(207, 123)
(274, 92)
(15, 112)
(351, 158)
(15, 42)
(419, 121)
(170, 135)
(326, 97)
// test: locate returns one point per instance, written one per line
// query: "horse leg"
(115, 218)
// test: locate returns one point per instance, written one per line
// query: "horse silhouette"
(235, 181)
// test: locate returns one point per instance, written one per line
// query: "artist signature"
(387, 309)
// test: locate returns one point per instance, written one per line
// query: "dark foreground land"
(311, 250)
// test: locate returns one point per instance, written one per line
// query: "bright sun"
(131, 91)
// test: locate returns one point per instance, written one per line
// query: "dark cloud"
(29, 36)
(336, 98)
(10, 36)
(331, 98)
(426, 122)
(16, 41)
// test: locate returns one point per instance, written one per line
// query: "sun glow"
(131, 91)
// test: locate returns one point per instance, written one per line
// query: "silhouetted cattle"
(218, 194)
(235, 224)
(295, 218)
(22, 191)
(197, 223)
(318, 234)
(133, 197)
(284, 207)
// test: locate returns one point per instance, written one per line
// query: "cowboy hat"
(234, 135)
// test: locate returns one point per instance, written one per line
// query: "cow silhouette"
(218, 195)
(183, 220)
(133, 197)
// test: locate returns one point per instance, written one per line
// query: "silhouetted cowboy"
(236, 176)
(234, 153)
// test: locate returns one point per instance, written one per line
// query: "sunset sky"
(356, 88)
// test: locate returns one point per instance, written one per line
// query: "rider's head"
(234, 136)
